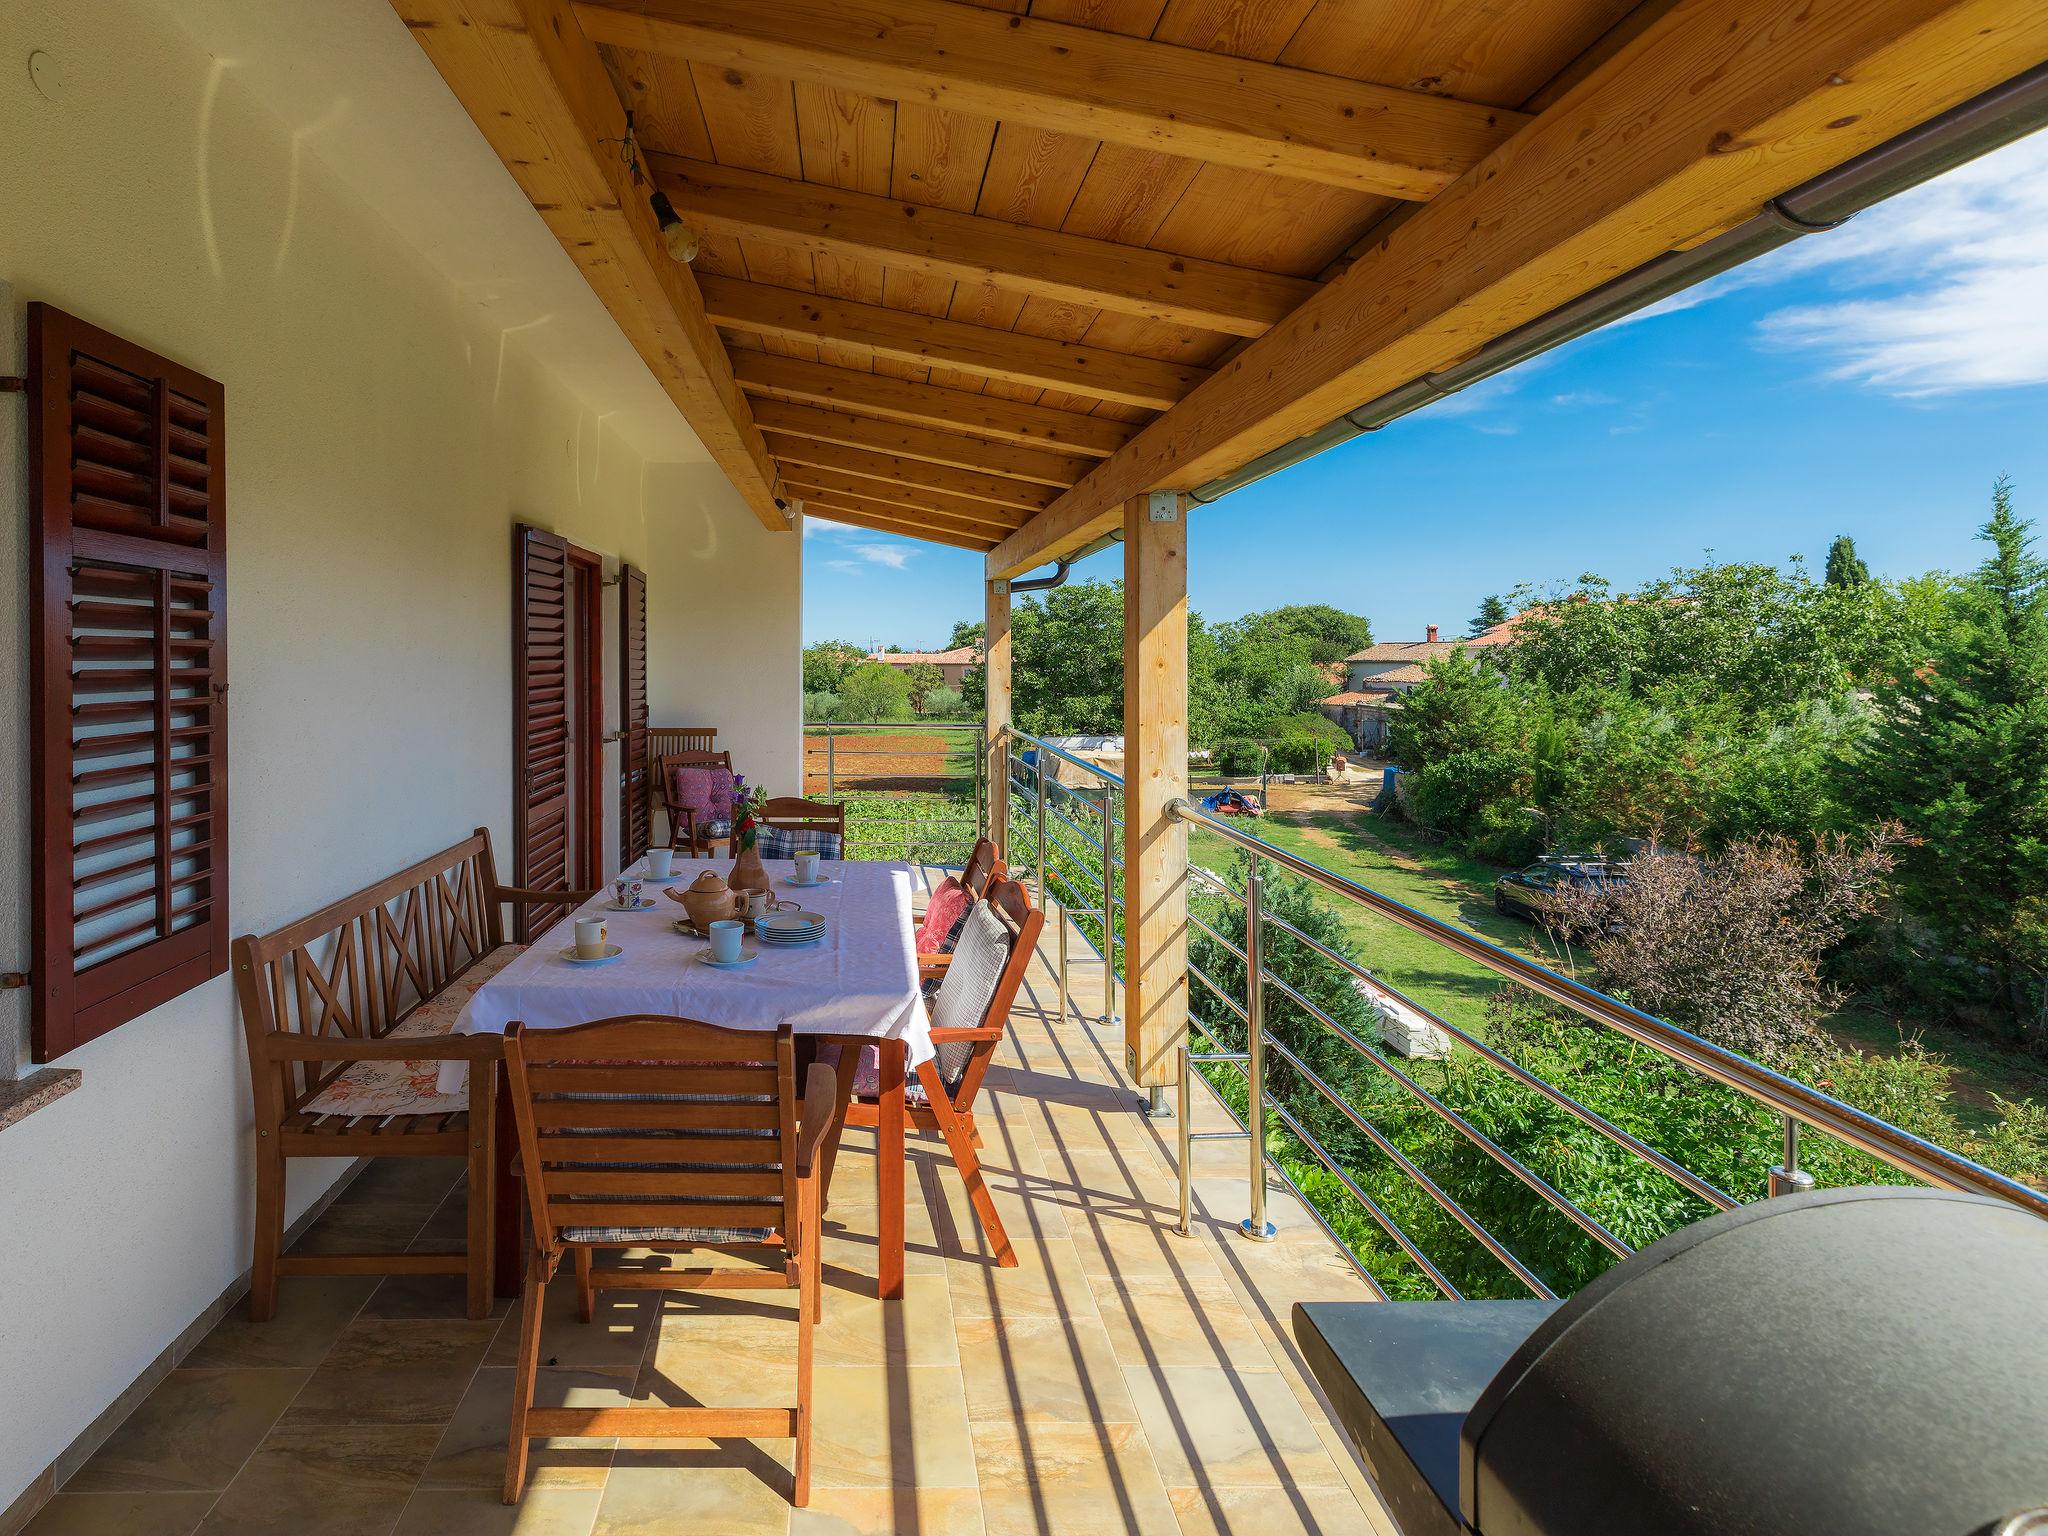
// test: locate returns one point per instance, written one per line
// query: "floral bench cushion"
(408, 1087)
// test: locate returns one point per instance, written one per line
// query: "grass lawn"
(1391, 858)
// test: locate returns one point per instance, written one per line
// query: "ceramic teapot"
(709, 898)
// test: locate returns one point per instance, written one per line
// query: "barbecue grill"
(1872, 1362)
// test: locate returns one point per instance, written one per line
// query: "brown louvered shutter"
(540, 723)
(128, 658)
(634, 811)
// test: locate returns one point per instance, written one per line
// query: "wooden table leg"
(508, 1257)
(889, 1175)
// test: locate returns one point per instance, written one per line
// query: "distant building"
(953, 665)
(1376, 678)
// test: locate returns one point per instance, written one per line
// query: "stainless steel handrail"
(1798, 1102)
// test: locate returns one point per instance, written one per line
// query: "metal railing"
(1084, 883)
(876, 776)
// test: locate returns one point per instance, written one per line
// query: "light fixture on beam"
(678, 236)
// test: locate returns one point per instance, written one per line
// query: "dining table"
(856, 986)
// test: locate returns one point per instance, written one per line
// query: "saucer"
(645, 906)
(804, 885)
(611, 953)
(747, 958)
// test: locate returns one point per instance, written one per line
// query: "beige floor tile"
(404, 1181)
(1125, 1241)
(722, 1360)
(1048, 1281)
(1069, 1479)
(1039, 1370)
(695, 1493)
(122, 1514)
(1268, 1512)
(615, 1339)
(1352, 1470)
(1159, 1320)
(482, 1512)
(472, 1449)
(324, 1480)
(193, 1431)
(1215, 1428)
(411, 1298)
(393, 1373)
(365, 1227)
(312, 1311)
(903, 1427)
(889, 1512)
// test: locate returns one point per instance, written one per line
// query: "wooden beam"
(1155, 772)
(996, 712)
(905, 526)
(886, 518)
(948, 448)
(1715, 108)
(1075, 80)
(536, 87)
(965, 247)
(907, 337)
(956, 410)
(855, 491)
(915, 473)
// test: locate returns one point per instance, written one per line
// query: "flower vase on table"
(748, 873)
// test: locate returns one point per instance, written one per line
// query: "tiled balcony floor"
(1122, 1378)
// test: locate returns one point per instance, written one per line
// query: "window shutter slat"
(540, 736)
(635, 813)
(129, 672)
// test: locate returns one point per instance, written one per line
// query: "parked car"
(1520, 894)
(1232, 802)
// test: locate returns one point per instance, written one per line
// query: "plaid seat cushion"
(788, 842)
(630, 1237)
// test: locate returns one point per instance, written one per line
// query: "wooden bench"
(348, 1014)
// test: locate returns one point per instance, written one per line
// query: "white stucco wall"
(383, 438)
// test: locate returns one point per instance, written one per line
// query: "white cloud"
(895, 556)
(852, 566)
(1574, 397)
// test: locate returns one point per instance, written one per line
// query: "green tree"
(922, 679)
(1845, 566)
(1960, 758)
(965, 633)
(875, 691)
(827, 663)
(1493, 610)
(1067, 650)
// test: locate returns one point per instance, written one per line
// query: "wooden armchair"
(792, 825)
(665, 1133)
(983, 865)
(970, 1013)
(690, 832)
(348, 1015)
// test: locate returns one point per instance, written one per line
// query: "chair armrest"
(980, 1032)
(285, 1046)
(820, 1109)
(933, 965)
(547, 898)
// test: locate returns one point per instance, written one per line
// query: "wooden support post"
(996, 647)
(1155, 772)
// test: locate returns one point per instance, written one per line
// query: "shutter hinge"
(11, 385)
(9, 980)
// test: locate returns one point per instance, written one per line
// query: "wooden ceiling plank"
(539, 91)
(913, 442)
(1023, 359)
(921, 475)
(954, 410)
(971, 249)
(836, 485)
(1098, 85)
(1714, 109)
(880, 517)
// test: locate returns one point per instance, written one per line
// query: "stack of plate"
(787, 929)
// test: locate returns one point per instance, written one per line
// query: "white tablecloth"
(860, 979)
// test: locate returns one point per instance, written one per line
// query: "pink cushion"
(942, 915)
(707, 791)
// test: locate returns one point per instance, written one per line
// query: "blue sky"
(1871, 381)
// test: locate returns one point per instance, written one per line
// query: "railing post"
(1187, 1144)
(1255, 1226)
(980, 781)
(831, 739)
(1109, 1010)
(1038, 781)
(1788, 1178)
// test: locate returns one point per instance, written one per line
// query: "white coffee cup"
(589, 938)
(757, 903)
(661, 863)
(725, 940)
(807, 866)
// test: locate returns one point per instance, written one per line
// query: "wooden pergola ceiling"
(980, 272)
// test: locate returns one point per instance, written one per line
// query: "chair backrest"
(664, 739)
(982, 866)
(799, 814)
(1010, 901)
(652, 1123)
(669, 762)
(969, 999)
(360, 965)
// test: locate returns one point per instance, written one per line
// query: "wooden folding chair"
(687, 833)
(983, 865)
(981, 978)
(790, 825)
(665, 1133)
